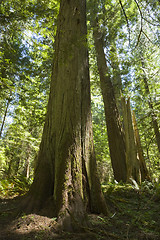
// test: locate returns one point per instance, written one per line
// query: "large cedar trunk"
(116, 79)
(66, 171)
(132, 162)
(114, 129)
(143, 167)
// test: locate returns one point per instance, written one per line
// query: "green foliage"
(2, 161)
(26, 54)
(26, 44)
(101, 140)
(14, 186)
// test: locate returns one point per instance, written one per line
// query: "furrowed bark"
(66, 167)
(114, 129)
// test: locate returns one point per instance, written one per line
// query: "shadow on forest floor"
(134, 215)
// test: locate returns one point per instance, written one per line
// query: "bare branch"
(126, 19)
(147, 37)
(141, 28)
(139, 36)
(156, 25)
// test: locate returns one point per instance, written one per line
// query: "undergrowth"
(134, 212)
(14, 186)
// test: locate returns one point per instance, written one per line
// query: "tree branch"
(141, 28)
(125, 18)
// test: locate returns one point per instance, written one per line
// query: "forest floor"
(134, 215)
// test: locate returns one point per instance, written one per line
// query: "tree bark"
(116, 79)
(150, 103)
(131, 151)
(114, 129)
(66, 171)
(4, 117)
(26, 171)
(143, 167)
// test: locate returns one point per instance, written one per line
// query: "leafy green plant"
(14, 186)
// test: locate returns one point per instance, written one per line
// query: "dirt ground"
(134, 215)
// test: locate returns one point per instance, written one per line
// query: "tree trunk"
(26, 171)
(116, 79)
(131, 151)
(66, 171)
(114, 129)
(4, 117)
(150, 103)
(143, 167)
(9, 170)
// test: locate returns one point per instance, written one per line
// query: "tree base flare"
(73, 223)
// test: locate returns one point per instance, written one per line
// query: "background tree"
(115, 133)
